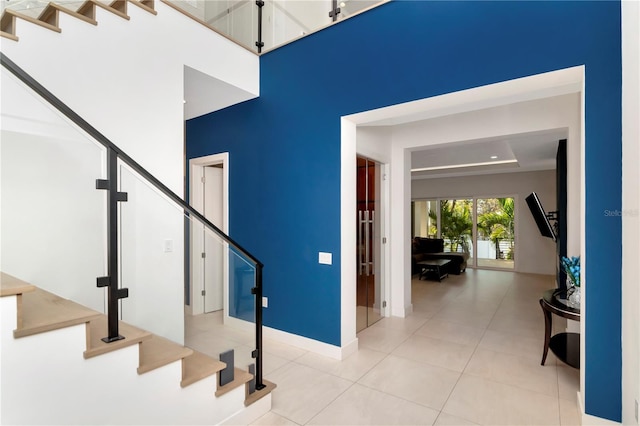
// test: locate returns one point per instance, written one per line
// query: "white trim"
(348, 242)
(301, 342)
(315, 346)
(196, 166)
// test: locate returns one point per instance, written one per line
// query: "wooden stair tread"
(158, 351)
(9, 36)
(40, 311)
(240, 378)
(147, 5)
(113, 8)
(97, 329)
(197, 366)
(9, 13)
(54, 7)
(258, 394)
(10, 285)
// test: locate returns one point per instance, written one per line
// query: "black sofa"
(433, 248)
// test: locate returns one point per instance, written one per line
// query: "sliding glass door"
(456, 226)
(482, 227)
(495, 232)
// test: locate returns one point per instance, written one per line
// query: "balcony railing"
(259, 26)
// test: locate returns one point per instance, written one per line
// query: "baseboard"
(251, 413)
(589, 420)
(402, 313)
(301, 342)
(188, 310)
(408, 310)
(311, 345)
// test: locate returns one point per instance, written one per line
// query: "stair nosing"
(170, 351)
(214, 367)
(138, 336)
(41, 311)
(259, 394)
(10, 285)
(9, 36)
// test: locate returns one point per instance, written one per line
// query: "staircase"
(141, 379)
(54, 367)
(48, 16)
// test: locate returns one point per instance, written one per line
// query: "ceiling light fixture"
(460, 166)
(494, 157)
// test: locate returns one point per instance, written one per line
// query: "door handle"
(367, 238)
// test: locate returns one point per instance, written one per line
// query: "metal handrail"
(115, 293)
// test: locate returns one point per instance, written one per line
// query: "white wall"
(47, 188)
(631, 210)
(53, 384)
(127, 79)
(533, 252)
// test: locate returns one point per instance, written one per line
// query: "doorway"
(208, 266)
(369, 303)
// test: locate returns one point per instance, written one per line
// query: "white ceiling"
(531, 151)
(204, 94)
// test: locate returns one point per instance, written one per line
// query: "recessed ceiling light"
(493, 157)
(460, 166)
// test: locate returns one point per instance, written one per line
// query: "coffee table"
(438, 266)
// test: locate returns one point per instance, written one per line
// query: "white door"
(213, 245)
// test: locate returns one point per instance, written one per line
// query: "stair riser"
(46, 380)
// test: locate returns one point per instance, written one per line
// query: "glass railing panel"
(53, 222)
(284, 21)
(236, 19)
(242, 301)
(211, 324)
(151, 238)
(351, 7)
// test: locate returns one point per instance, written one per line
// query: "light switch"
(168, 246)
(265, 302)
(324, 258)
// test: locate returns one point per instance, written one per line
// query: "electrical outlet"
(265, 302)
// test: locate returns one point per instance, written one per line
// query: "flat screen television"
(541, 218)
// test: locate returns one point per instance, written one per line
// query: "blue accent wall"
(285, 146)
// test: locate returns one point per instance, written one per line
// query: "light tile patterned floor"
(470, 354)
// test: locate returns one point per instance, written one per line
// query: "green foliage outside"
(495, 222)
(456, 223)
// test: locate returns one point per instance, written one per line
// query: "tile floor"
(469, 354)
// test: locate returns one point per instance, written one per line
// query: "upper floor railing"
(258, 25)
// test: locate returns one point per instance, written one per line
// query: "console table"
(566, 346)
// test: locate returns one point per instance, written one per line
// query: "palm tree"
(455, 223)
(498, 225)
